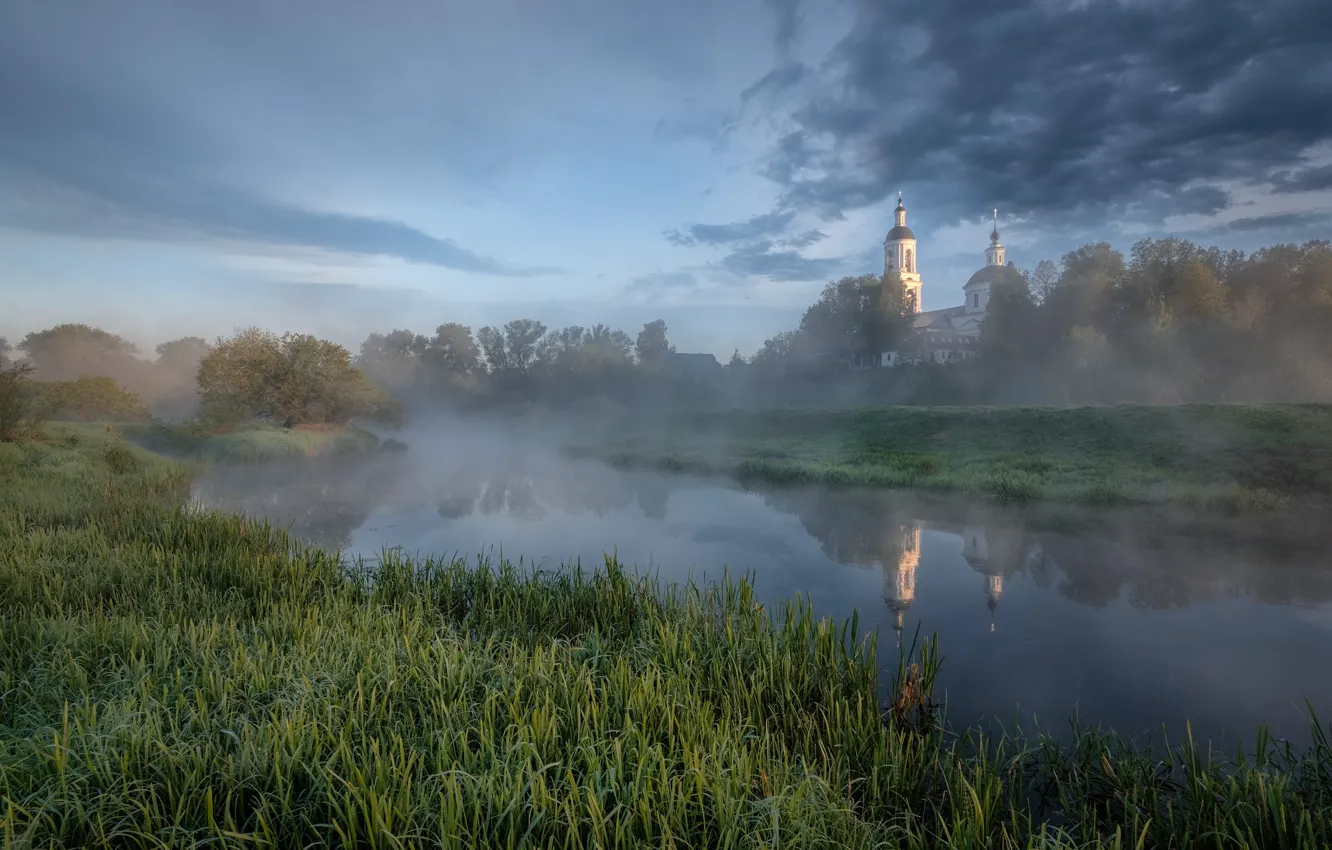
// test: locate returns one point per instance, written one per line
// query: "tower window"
(909, 267)
(975, 299)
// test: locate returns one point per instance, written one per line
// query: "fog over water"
(1132, 618)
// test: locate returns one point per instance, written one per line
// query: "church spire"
(994, 255)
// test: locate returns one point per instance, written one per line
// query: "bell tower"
(899, 257)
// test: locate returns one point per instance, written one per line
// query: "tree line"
(1170, 322)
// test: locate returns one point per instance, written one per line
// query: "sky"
(188, 167)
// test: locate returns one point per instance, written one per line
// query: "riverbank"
(1226, 457)
(181, 677)
(255, 444)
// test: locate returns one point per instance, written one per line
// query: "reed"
(172, 677)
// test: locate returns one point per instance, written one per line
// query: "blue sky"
(175, 167)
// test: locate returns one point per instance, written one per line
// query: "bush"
(93, 399)
(21, 404)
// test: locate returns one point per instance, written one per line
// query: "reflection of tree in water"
(318, 506)
(653, 493)
(529, 495)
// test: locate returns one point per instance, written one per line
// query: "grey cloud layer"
(1056, 105)
(1069, 113)
(157, 173)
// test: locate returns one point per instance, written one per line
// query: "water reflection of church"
(1010, 553)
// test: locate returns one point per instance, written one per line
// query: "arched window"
(909, 267)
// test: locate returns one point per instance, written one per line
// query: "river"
(1134, 619)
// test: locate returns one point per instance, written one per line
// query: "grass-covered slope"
(181, 679)
(255, 443)
(1229, 456)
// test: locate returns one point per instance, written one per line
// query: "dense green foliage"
(173, 678)
(292, 379)
(1224, 456)
(93, 398)
(21, 404)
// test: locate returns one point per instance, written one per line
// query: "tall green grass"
(174, 678)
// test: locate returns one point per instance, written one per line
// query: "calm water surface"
(1132, 619)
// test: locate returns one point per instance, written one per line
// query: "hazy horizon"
(186, 168)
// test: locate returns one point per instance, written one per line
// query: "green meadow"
(1226, 457)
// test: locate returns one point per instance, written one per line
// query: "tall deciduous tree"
(652, 344)
(68, 351)
(452, 356)
(292, 379)
(393, 359)
(520, 341)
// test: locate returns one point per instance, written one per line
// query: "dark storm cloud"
(759, 260)
(758, 227)
(804, 240)
(788, 23)
(776, 81)
(104, 163)
(1306, 180)
(758, 249)
(1055, 106)
(1279, 221)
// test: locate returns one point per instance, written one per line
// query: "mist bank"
(1222, 457)
(201, 672)
(1173, 322)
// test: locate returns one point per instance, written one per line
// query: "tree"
(496, 351)
(394, 358)
(855, 319)
(293, 379)
(520, 339)
(513, 349)
(5, 350)
(93, 398)
(177, 365)
(652, 344)
(1042, 281)
(1007, 329)
(557, 348)
(778, 351)
(1082, 295)
(1197, 294)
(70, 350)
(21, 404)
(451, 356)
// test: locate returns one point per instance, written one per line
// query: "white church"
(950, 334)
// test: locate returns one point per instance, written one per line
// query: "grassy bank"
(174, 678)
(1215, 456)
(252, 444)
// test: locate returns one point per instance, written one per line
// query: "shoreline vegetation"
(174, 677)
(252, 444)
(1216, 457)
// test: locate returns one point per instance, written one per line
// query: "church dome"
(899, 232)
(989, 274)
